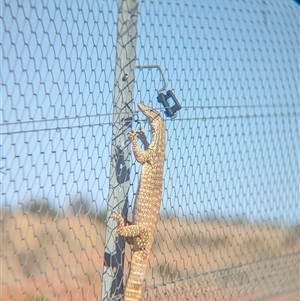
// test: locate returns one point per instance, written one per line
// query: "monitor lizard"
(147, 202)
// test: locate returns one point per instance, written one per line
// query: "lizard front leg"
(140, 155)
(140, 232)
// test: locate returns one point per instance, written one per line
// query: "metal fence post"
(112, 286)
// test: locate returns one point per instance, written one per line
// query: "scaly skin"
(147, 203)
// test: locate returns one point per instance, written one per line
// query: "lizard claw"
(119, 218)
(132, 135)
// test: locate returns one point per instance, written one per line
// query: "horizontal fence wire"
(229, 224)
(202, 113)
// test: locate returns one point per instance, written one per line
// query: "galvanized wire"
(229, 219)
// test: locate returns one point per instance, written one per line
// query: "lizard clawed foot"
(119, 218)
(132, 135)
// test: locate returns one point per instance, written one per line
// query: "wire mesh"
(229, 219)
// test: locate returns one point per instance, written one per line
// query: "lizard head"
(153, 117)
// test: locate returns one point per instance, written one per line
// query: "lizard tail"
(133, 289)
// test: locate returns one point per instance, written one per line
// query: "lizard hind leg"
(138, 231)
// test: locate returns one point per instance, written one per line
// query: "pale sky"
(234, 66)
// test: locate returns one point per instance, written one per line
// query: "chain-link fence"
(229, 220)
